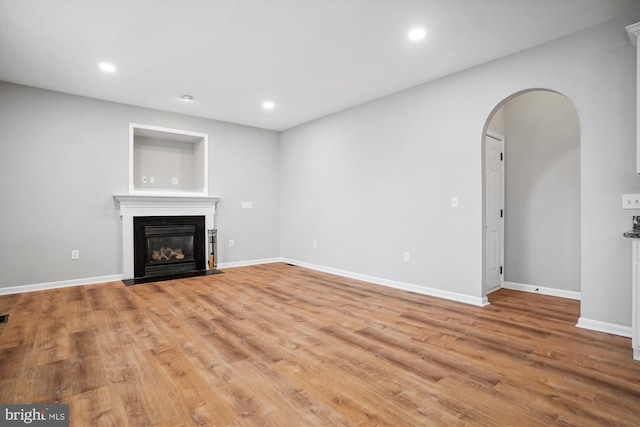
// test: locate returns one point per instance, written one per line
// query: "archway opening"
(538, 247)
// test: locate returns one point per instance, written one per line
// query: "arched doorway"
(538, 249)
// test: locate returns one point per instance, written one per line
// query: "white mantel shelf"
(132, 205)
(128, 200)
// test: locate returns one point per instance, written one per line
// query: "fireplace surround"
(137, 206)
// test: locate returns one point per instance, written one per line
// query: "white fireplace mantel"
(139, 205)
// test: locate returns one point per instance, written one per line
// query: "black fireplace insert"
(166, 246)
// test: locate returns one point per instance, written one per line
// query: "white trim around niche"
(179, 135)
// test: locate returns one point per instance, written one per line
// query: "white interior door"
(494, 215)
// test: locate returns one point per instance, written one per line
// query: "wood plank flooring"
(278, 345)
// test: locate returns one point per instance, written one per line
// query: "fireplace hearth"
(167, 247)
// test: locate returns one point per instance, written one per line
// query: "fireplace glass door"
(168, 245)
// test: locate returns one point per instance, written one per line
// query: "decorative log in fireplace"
(165, 246)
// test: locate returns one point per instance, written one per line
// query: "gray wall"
(376, 180)
(542, 191)
(163, 160)
(368, 183)
(63, 157)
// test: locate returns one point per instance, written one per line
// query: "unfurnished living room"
(319, 212)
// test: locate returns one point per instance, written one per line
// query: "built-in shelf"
(167, 162)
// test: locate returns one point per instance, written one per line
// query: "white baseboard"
(609, 328)
(492, 290)
(453, 296)
(104, 279)
(60, 284)
(249, 263)
(542, 290)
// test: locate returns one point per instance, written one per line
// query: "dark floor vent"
(4, 318)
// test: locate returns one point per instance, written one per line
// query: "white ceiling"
(310, 57)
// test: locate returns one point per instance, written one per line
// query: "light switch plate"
(631, 201)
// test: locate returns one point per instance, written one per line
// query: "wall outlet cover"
(631, 201)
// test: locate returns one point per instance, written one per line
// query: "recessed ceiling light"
(417, 34)
(187, 98)
(106, 67)
(268, 105)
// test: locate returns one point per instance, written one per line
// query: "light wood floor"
(278, 345)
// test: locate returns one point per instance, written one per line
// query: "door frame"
(494, 135)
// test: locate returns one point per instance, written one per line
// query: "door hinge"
(501, 158)
(501, 213)
(500, 269)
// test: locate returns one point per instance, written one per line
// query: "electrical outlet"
(631, 201)
(231, 243)
(75, 254)
(406, 257)
(454, 201)
(152, 180)
(314, 243)
(174, 180)
(247, 205)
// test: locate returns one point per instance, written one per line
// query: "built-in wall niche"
(168, 162)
